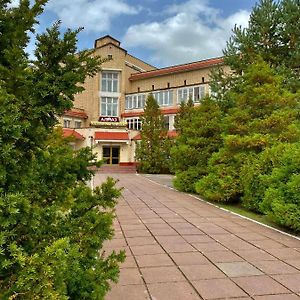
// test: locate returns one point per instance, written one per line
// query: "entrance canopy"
(112, 136)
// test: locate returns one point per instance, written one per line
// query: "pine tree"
(52, 226)
(153, 150)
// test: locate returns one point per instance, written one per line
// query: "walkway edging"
(224, 209)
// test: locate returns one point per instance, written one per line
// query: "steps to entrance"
(108, 169)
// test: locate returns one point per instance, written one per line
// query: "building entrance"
(111, 155)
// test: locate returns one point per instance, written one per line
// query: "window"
(164, 98)
(109, 106)
(134, 124)
(195, 93)
(67, 123)
(109, 56)
(110, 82)
(135, 101)
(77, 124)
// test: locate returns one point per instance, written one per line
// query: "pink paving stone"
(180, 247)
(138, 241)
(162, 274)
(268, 244)
(223, 256)
(291, 281)
(260, 285)
(197, 272)
(147, 249)
(176, 239)
(155, 260)
(207, 247)
(189, 258)
(278, 297)
(136, 233)
(172, 291)
(201, 238)
(163, 231)
(128, 263)
(237, 269)
(275, 267)
(130, 276)
(136, 292)
(293, 262)
(218, 288)
(285, 253)
(255, 255)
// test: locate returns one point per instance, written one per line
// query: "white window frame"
(104, 112)
(77, 121)
(108, 84)
(134, 123)
(183, 94)
(135, 101)
(69, 122)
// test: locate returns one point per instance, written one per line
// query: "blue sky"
(161, 32)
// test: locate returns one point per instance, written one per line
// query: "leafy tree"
(199, 136)
(52, 226)
(153, 150)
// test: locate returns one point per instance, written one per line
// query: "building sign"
(109, 119)
(108, 124)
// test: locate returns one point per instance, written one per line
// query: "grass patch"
(239, 209)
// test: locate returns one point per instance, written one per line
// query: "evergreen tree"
(199, 137)
(256, 122)
(52, 226)
(153, 150)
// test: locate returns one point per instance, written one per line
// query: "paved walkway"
(179, 248)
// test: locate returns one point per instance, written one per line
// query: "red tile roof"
(77, 114)
(171, 134)
(68, 132)
(167, 111)
(179, 68)
(111, 136)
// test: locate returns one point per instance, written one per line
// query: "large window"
(110, 82)
(134, 123)
(109, 106)
(164, 98)
(135, 101)
(196, 93)
(67, 123)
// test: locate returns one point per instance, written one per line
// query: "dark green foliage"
(52, 226)
(153, 150)
(255, 123)
(199, 136)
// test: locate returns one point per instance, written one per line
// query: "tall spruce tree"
(52, 226)
(153, 150)
(199, 136)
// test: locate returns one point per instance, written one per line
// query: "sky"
(160, 32)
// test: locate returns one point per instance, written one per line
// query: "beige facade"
(110, 107)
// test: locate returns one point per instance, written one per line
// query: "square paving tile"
(291, 281)
(275, 267)
(175, 239)
(237, 269)
(122, 292)
(207, 247)
(138, 241)
(218, 288)
(163, 231)
(260, 285)
(197, 272)
(278, 297)
(268, 244)
(255, 255)
(130, 276)
(136, 233)
(147, 249)
(223, 256)
(155, 260)
(189, 258)
(172, 290)
(199, 238)
(162, 274)
(181, 247)
(128, 263)
(285, 253)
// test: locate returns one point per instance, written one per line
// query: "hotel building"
(107, 114)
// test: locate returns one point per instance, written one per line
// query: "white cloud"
(191, 31)
(13, 3)
(95, 15)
